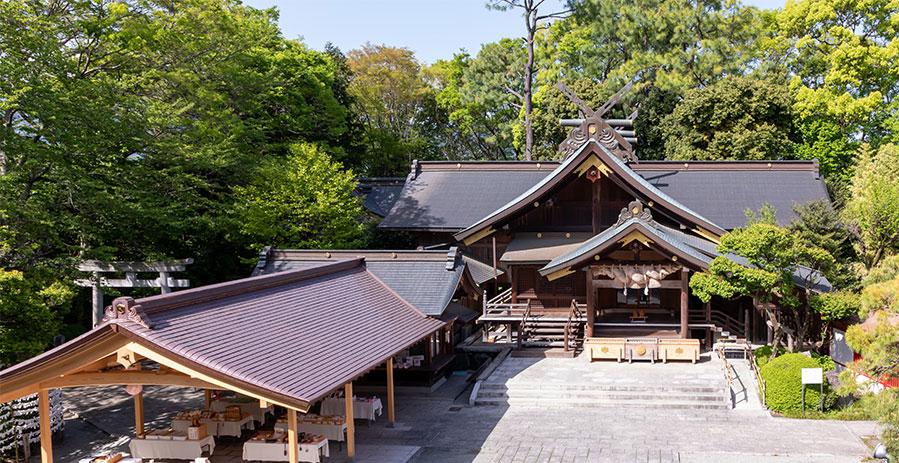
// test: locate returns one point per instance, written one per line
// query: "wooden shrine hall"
(290, 339)
(601, 244)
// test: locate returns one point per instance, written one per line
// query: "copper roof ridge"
(781, 165)
(443, 166)
(179, 299)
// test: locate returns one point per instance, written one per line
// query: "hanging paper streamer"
(20, 417)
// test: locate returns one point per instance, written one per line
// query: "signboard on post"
(813, 376)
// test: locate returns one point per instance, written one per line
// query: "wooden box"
(642, 349)
(233, 413)
(679, 349)
(605, 348)
(196, 432)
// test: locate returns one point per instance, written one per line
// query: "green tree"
(736, 118)
(28, 314)
(818, 223)
(302, 201)
(872, 211)
(772, 256)
(844, 65)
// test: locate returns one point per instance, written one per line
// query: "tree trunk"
(775, 325)
(531, 19)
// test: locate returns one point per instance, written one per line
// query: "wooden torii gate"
(131, 269)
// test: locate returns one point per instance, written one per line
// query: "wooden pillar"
(350, 425)
(43, 398)
(452, 339)
(390, 402)
(428, 349)
(708, 321)
(684, 304)
(591, 304)
(139, 413)
(293, 449)
(597, 206)
(208, 394)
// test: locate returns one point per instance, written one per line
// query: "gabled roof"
(481, 271)
(426, 279)
(594, 154)
(290, 337)
(379, 194)
(442, 197)
(661, 237)
(449, 196)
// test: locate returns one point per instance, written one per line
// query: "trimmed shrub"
(763, 353)
(783, 384)
(825, 362)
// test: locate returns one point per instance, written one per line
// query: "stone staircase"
(577, 383)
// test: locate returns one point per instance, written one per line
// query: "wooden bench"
(679, 349)
(604, 348)
(638, 315)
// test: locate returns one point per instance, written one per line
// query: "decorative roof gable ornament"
(635, 210)
(124, 309)
(594, 127)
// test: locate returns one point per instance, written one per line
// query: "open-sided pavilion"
(288, 339)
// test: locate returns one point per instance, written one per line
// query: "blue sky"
(433, 29)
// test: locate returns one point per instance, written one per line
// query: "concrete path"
(444, 429)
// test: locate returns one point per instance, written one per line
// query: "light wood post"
(350, 425)
(390, 401)
(292, 446)
(208, 394)
(43, 398)
(591, 303)
(139, 413)
(684, 304)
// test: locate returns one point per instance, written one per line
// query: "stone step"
(599, 387)
(592, 403)
(602, 396)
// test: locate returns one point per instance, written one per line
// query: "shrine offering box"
(196, 432)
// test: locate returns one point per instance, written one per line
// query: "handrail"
(571, 312)
(524, 317)
(758, 375)
(727, 372)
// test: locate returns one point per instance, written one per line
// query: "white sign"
(812, 376)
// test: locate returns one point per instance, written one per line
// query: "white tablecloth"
(334, 432)
(252, 408)
(362, 409)
(174, 449)
(218, 427)
(277, 451)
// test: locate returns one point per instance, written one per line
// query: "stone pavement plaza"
(442, 427)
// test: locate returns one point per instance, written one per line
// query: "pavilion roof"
(291, 337)
(425, 279)
(451, 196)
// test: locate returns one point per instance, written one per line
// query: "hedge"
(783, 384)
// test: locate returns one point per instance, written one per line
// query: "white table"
(252, 408)
(362, 409)
(173, 449)
(218, 427)
(334, 432)
(277, 451)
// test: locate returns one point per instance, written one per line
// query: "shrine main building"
(599, 244)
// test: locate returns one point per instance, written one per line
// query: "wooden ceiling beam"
(117, 377)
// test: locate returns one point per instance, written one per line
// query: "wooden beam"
(684, 303)
(139, 413)
(597, 205)
(665, 284)
(390, 410)
(591, 303)
(115, 377)
(209, 381)
(292, 444)
(119, 266)
(207, 394)
(350, 425)
(135, 283)
(43, 398)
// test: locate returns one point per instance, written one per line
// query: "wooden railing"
(573, 313)
(524, 318)
(719, 319)
(502, 306)
(728, 374)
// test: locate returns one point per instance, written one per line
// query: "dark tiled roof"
(442, 197)
(481, 271)
(425, 279)
(297, 335)
(379, 194)
(448, 199)
(723, 195)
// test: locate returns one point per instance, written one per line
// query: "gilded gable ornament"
(124, 309)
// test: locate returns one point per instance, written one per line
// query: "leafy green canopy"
(27, 319)
(872, 210)
(304, 200)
